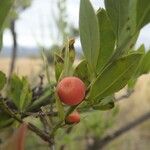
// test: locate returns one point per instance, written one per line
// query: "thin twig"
(40, 133)
(38, 114)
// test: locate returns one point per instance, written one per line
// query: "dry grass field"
(24, 66)
(137, 104)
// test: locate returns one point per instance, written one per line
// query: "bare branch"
(14, 49)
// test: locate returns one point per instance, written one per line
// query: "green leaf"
(5, 120)
(141, 49)
(117, 11)
(46, 98)
(129, 31)
(2, 80)
(71, 51)
(105, 104)
(20, 92)
(114, 77)
(107, 39)
(26, 94)
(85, 106)
(15, 90)
(132, 81)
(82, 72)
(122, 14)
(59, 65)
(1, 40)
(143, 11)
(128, 17)
(68, 70)
(5, 7)
(145, 64)
(59, 107)
(89, 33)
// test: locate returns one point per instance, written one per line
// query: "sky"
(36, 24)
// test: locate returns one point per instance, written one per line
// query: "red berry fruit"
(73, 118)
(71, 90)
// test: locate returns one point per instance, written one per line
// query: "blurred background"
(34, 25)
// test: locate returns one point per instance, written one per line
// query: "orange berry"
(71, 90)
(73, 118)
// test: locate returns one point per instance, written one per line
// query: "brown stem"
(40, 133)
(38, 114)
(14, 48)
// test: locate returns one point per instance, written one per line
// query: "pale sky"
(36, 24)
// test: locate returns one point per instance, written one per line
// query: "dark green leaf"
(2, 80)
(105, 104)
(5, 6)
(1, 40)
(114, 77)
(5, 120)
(82, 72)
(141, 49)
(15, 90)
(133, 80)
(131, 83)
(145, 64)
(122, 14)
(107, 39)
(59, 107)
(59, 65)
(26, 94)
(117, 11)
(143, 11)
(20, 92)
(89, 33)
(144, 61)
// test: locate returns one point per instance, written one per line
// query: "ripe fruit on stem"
(71, 90)
(73, 118)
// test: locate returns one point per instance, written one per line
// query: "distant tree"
(18, 7)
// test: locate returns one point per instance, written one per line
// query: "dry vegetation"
(131, 108)
(24, 66)
(138, 103)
